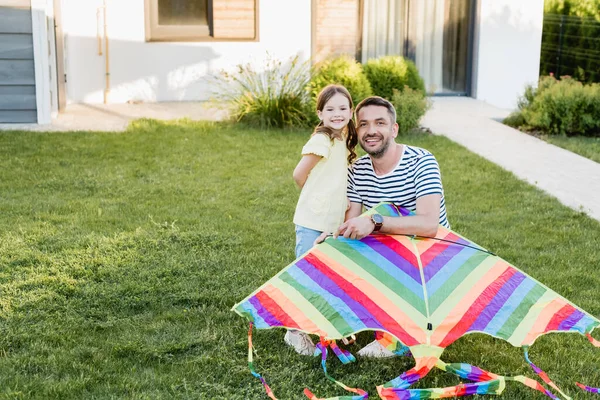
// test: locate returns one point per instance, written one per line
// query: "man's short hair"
(380, 102)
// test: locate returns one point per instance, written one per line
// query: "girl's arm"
(306, 164)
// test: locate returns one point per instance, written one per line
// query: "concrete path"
(572, 179)
(116, 117)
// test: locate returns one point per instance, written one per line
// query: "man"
(404, 175)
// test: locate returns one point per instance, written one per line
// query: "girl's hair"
(352, 137)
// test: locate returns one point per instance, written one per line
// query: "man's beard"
(379, 152)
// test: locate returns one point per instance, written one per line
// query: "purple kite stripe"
(327, 284)
(264, 313)
(488, 313)
(403, 211)
(571, 320)
(441, 260)
(396, 259)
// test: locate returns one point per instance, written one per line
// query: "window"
(436, 34)
(201, 20)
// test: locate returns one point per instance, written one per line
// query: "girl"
(322, 175)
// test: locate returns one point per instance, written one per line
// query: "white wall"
(167, 71)
(507, 55)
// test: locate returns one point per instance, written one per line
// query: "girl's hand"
(321, 238)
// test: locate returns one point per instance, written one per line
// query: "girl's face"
(337, 112)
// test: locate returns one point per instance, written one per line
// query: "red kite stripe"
(559, 317)
(478, 306)
(384, 318)
(277, 311)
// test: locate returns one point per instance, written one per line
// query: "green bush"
(342, 70)
(410, 106)
(560, 107)
(275, 97)
(390, 73)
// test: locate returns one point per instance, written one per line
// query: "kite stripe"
(396, 246)
(453, 281)
(477, 307)
(511, 304)
(276, 310)
(431, 266)
(497, 302)
(385, 271)
(404, 264)
(263, 312)
(381, 317)
(563, 314)
(302, 321)
(571, 320)
(335, 292)
(320, 304)
(350, 309)
(520, 312)
(432, 252)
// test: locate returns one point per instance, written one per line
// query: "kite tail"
(322, 349)
(251, 365)
(344, 355)
(590, 389)
(397, 388)
(532, 383)
(542, 374)
(473, 373)
(392, 344)
(595, 342)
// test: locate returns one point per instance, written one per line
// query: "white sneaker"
(375, 350)
(300, 341)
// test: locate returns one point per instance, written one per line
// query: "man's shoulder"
(416, 151)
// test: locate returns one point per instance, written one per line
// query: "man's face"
(376, 132)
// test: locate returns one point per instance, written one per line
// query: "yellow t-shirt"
(322, 203)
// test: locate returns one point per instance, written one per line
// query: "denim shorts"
(305, 238)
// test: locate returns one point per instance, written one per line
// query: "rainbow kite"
(419, 295)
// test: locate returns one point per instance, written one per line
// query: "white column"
(41, 60)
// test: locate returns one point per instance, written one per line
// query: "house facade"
(118, 51)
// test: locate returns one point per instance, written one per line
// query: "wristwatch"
(377, 219)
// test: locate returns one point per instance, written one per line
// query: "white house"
(57, 52)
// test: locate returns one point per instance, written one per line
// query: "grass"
(121, 255)
(588, 147)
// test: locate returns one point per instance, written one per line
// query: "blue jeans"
(305, 238)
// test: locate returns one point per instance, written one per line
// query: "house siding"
(17, 72)
(170, 71)
(336, 28)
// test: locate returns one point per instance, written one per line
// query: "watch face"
(378, 219)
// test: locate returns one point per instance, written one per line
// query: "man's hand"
(355, 228)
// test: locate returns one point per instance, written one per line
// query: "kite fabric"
(419, 295)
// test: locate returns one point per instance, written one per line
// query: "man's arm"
(424, 223)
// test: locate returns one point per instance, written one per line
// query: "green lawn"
(588, 147)
(121, 255)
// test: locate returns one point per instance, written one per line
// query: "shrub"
(568, 107)
(390, 73)
(410, 106)
(341, 70)
(275, 97)
(560, 107)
